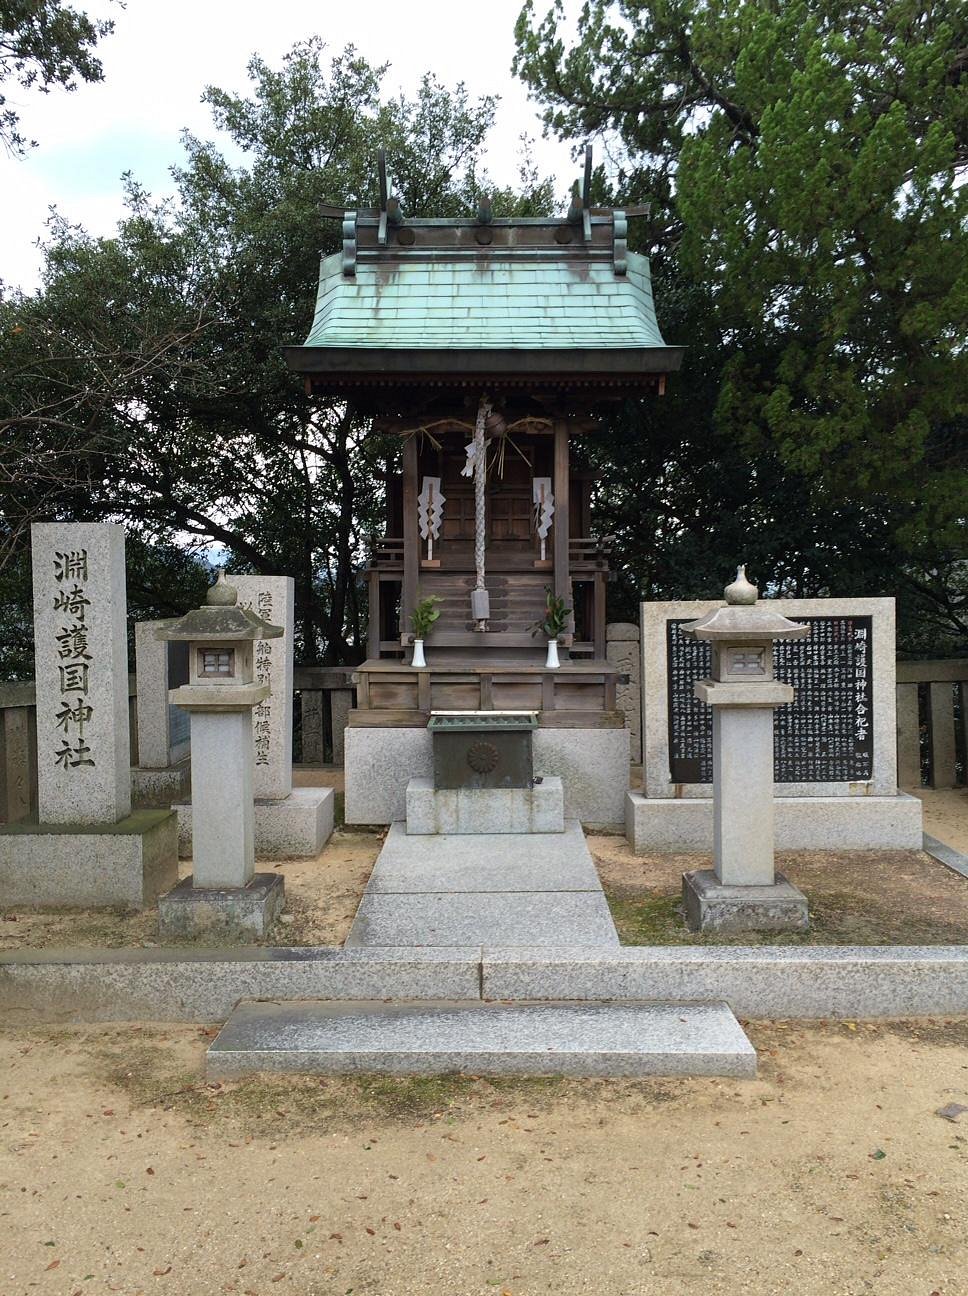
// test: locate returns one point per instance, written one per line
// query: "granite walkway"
(510, 889)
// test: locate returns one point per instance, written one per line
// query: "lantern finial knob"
(221, 594)
(741, 593)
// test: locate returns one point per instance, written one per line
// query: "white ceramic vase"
(551, 663)
(418, 656)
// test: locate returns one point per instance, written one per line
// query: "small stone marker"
(272, 599)
(80, 609)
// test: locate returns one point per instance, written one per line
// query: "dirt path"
(946, 815)
(121, 1171)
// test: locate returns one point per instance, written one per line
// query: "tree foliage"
(151, 386)
(805, 161)
(44, 43)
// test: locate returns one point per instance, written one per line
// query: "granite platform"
(451, 889)
(483, 1039)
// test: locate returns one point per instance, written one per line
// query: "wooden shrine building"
(516, 334)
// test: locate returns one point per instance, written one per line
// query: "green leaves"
(807, 154)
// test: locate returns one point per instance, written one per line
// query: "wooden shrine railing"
(576, 695)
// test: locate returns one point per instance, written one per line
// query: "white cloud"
(164, 52)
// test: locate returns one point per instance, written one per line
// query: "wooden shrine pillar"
(411, 539)
(562, 526)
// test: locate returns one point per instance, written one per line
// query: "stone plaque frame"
(657, 780)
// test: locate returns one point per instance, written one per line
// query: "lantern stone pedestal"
(742, 892)
(224, 893)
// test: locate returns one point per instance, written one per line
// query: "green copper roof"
(485, 303)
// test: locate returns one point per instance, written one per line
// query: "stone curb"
(780, 981)
(204, 985)
(947, 855)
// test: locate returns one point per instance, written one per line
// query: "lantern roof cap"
(744, 619)
(220, 620)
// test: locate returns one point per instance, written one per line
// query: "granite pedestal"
(244, 913)
(593, 765)
(714, 906)
(127, 864)
(296, 827)
(537, 809)
(161, 788)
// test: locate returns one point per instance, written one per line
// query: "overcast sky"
(164, 52)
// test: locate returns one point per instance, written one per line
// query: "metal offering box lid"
(466, 721)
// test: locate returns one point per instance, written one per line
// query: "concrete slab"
(464, 918)
(411, 864)
(540, 808)
(685, 825)
(483, 1039)
(295, 827)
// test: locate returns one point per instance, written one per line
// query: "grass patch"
(836, 918)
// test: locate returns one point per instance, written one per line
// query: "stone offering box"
(475, 749)
(483, 778)
(835, 757)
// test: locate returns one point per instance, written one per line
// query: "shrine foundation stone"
(593, 765)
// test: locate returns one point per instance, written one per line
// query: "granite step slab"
(427, 919)
(487, 862)
(566, 1039)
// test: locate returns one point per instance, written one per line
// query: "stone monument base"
(127, 864)
(295, 827)
(244, 913)
(537, 809)
(712, 906)
(684, 826)
(593, 765)
(161, 787)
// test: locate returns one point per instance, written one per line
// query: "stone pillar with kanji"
(84, 846)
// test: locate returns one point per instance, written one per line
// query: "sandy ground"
(121, 1171)
(946, 815)
(321, 898)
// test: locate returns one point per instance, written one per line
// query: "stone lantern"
(224, 889)
(742, 891)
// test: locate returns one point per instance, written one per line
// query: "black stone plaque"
(824, 736)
